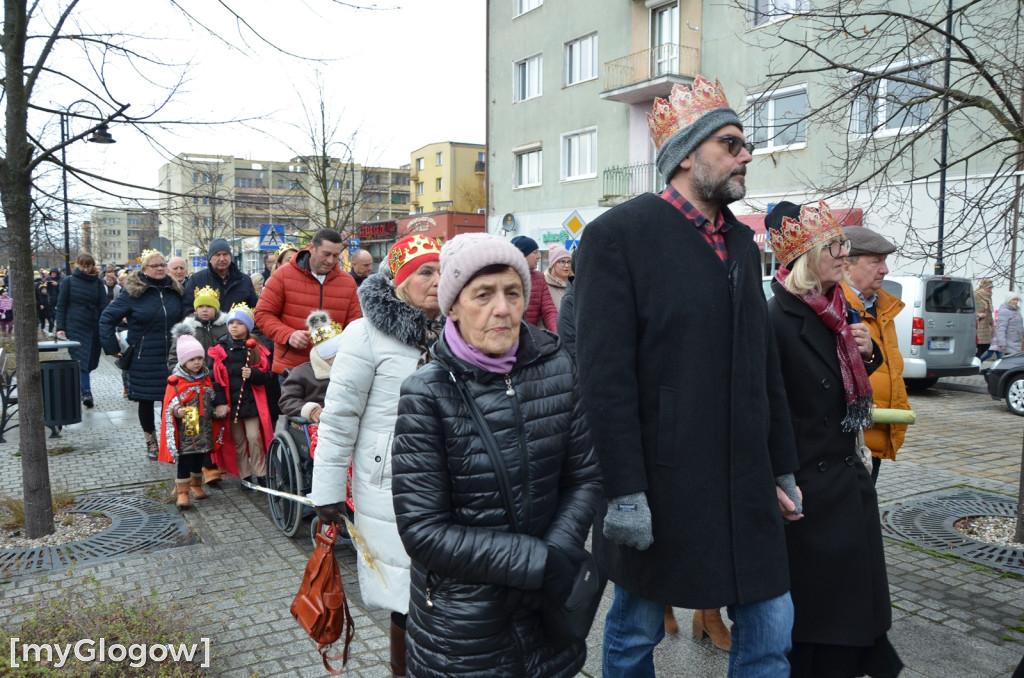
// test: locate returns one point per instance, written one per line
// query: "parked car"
(1005, 380)
(937, 329)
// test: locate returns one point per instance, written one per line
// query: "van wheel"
(1015, 396)
(921, 384)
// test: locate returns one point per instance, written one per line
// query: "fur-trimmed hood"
(392, 316)
(190, 324)
(135, 284)
(181, 372)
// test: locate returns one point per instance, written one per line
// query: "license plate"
(938, 345)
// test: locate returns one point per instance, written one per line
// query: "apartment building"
(118, 236)
(448, 177)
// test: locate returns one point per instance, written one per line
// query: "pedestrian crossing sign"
(271, 236)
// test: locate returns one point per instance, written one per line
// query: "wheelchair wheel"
(283, 474)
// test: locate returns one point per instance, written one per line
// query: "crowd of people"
(475, 419)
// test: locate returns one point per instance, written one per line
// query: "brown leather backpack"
(320, 606)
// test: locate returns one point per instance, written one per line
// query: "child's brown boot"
(195, 486)
(181, 487)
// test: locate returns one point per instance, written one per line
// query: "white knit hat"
(467, 253)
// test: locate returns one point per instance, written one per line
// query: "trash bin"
(62, 404)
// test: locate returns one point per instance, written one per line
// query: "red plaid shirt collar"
(713, 233)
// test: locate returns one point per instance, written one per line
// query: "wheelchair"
(290, 470)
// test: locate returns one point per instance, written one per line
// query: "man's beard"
(709, 189)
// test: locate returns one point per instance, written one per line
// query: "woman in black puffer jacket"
(477, 585)
(80, 302)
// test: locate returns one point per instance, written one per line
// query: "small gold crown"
(208, 291)
(324, 332)
(683, 108)
(243, 307)
(817, 225)
(146, 254)
(287, 246)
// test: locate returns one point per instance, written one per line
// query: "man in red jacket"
(311, 280)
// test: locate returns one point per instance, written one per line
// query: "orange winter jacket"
(884, 440)
(289, 296)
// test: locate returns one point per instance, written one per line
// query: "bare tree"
(36, 43)
(914, 94)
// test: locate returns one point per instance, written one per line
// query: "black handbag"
(563, 624)
(125, 361)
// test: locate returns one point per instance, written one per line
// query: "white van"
(938, 328)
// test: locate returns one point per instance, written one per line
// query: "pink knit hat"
(467, 253)
(556, 253)
(188, 348)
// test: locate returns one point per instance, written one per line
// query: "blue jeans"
(761, 637)
(990, 353)
(83, 378)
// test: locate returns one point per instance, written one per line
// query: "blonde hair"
(802, 279)
(148, 256)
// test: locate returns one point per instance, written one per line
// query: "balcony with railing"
(651, 73)
(627, 181)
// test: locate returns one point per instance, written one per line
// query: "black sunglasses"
(735, 144)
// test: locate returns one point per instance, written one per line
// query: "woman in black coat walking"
(477, 581)
(837, 566)
(80, 301)
(151, 304)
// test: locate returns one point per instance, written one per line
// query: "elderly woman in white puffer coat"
(376, 353)
(1009, 328)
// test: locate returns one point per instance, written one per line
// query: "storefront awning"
(846, 217)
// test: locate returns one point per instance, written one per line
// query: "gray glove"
(788, 484)
(628, 521)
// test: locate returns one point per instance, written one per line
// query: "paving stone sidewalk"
(951, 617)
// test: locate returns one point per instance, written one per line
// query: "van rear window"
(948, 296)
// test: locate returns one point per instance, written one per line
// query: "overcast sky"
(401, 78)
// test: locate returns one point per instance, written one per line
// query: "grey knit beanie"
(465, 254)
(682, 143)
(218, 245)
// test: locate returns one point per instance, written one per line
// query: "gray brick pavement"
(950, 616)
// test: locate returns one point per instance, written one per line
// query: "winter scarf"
(831, 310)
(474, 356)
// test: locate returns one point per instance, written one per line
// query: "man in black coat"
(222, 275)
(680, 377)
(362, 266)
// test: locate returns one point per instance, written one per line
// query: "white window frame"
(438, 157)
(573, 141)
(521, 154)
(580, 56)
(438, 184)
(521, 7)
(419, 188)
(769, 100)
(773, 11)
(881, 115)
(522, 68)
(419, 164)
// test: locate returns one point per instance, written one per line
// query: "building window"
(419, 164)
(581, 60)
(665, 39)
(280, 183)
(524, 6)
(777, 121)
(419, 188)
(528, 78)
(578, 155)
(528, 168)
(481, 156)
(437, 158)
(766, 11)
(438, 186)
(883, 107)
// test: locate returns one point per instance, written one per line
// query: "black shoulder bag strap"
(491, 445)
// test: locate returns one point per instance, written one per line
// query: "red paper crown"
(793, 238)
(409, 249)
(683, 108)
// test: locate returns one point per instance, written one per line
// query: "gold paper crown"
(793, 238)
(321, 327)
(683, 108)
(244, 308)
(208, 291)
(287, 246)
(146, 254)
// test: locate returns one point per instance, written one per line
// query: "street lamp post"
(100, 135)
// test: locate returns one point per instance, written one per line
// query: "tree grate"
(929, 523)
(138, 525)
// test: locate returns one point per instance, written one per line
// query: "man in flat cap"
(865, 269)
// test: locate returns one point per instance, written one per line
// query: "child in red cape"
(188, 421)
(241, 368)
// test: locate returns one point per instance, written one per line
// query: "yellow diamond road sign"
(574, 224)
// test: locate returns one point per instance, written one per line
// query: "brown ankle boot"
(195, 486)
(152, 446)
(709, 623)
(181, 487)
(671, 626)
(397, 651)
(211, 476)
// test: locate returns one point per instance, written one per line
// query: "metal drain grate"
(138, 525)
(929, 523)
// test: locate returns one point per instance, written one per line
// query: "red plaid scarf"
(831, 309)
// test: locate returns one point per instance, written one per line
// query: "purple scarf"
(474, 356)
